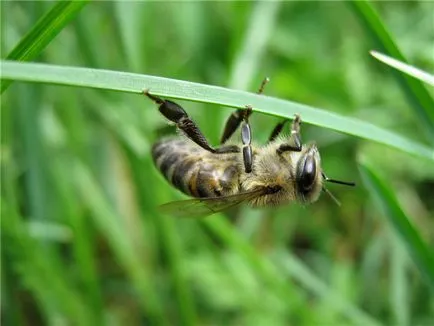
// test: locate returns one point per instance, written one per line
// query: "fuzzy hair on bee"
(277, 173)
(284, 172)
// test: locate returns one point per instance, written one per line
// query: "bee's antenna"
(345, 183)
(328, 192)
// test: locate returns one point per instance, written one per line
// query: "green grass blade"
(399, 295)
(45, 30)
(258, 32)
(33, 150)
(128, 16)
(107, 221)
(135, 83)
(422, 102)
(302, 274)
(405, 68)
(387, 201)
(41, 272)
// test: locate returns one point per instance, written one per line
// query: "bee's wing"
(200, 207)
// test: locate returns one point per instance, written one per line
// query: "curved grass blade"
(387, 201)
(409, 70)
(44, 31)
(415, 91)
(177, 89)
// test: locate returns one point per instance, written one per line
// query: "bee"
(282, 171)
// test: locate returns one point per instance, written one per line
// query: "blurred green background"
(82, 241)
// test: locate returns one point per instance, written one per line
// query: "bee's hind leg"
(295, 138)
(177, 114)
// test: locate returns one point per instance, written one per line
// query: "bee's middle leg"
(246, 138)
(177, 114)
(241, 115)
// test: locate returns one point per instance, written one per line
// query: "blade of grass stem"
(401, 66)
(45, 30)
(388, 203)
(418, 96)
(135, 83)
(36, 176)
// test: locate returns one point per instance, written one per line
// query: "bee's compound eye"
(307, 174)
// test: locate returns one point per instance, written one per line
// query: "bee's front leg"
(246, 138)
(295, 138)
(177, 114)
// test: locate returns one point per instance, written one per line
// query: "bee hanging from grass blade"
(282, 171)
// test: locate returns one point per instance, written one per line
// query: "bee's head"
(308, 174)
(310, 177)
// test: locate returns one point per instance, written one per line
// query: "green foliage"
(177, 89)
(421, 253)
(44, 31)
(82, 240)
(416, 93)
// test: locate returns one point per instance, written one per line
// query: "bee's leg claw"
(154, 98)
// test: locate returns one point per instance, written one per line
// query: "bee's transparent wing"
(200, 207)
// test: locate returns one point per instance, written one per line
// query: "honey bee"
(282, 171)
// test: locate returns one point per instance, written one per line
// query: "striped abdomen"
(195, 171)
